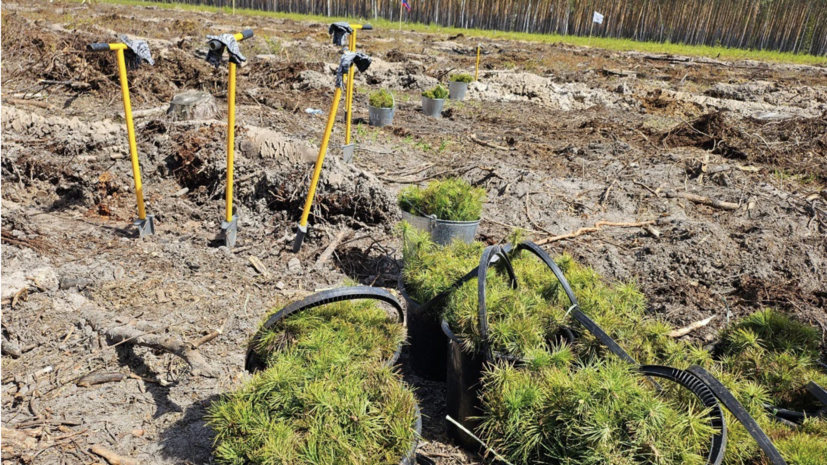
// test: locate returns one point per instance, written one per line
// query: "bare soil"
(561, 137)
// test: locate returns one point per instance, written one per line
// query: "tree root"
(140, 333)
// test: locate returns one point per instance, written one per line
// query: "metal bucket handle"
(252, 362)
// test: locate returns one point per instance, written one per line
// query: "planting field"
(703, 181)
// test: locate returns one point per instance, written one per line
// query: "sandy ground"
(727, 160)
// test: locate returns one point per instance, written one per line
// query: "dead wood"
(100, 378)
(259, 266)
(703, 200)
(474, 139)
(331, 248)
(207, 338)
(11, 349)
(140, 333)
(688, 329)
(111, 457)
(597, 227)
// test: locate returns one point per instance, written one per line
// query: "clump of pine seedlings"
(357, 329)
(381, 99)
(326, 396)
(588, 411)
(452, 199)
(436, 93)
(764, 359)
(461, 77)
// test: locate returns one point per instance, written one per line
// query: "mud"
(560, 136)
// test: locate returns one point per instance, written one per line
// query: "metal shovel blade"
(347, 152)
(145, 227)
(230, 229)
(301, 231)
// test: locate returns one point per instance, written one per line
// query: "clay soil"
(561, 137)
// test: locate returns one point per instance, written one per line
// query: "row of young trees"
(798, 26)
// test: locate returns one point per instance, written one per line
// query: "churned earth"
(722, 166)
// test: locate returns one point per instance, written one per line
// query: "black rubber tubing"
(578, 315)
(252, 362)
(696, 386)
(97, 48)
(740, 413)
(683, 378)
(482, 271)
(718, 446)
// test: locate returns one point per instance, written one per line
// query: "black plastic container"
(253, 362)
(464, 370)
(428, 346)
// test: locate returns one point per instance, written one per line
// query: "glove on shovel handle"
(97, 48)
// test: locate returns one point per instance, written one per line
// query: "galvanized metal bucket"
(380, 116)
(456, 90)
(443, 232)
(432, 107)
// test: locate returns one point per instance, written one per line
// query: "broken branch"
(688, 329)
(703, 200)
(331, 248)
(473, 138)
(597, 227)
(111, 457)
(137, 333)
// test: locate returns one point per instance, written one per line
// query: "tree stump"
(192, 105)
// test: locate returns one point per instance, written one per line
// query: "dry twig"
(703, 200)
(597, 227)
(688, 329)
(111, 457)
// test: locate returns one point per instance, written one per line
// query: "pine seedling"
(437, 93)
(382, 98)
(326, 396)
(452, 199)
(461, 77)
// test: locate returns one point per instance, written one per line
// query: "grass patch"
(326, 395)
(596, 42)
(452, 199)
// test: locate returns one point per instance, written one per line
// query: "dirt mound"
(272, 175)
(797, 145)
(781, 106)
(773, 93)
(509, 87)
(408, 75)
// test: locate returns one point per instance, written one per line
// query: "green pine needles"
(594, 412)
(461, 77)
(437, 93)
(381, 99)
(326, 396)
(452, 199)
(579, 404)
